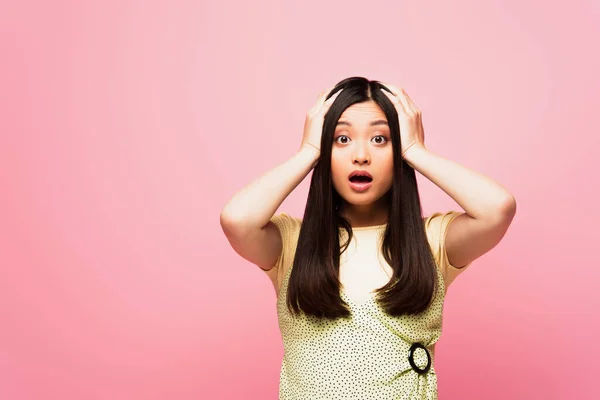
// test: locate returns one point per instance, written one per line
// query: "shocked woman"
(361, 278)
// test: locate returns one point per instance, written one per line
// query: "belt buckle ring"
(412, 361)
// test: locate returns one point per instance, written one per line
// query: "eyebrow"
(372, 123)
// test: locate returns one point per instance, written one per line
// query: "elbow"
(229, 224)
(234, 225)
(508, 208)
(230, 216)
(225, 219)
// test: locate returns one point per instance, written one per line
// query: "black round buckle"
(412, 361)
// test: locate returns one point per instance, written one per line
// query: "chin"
(360, 199)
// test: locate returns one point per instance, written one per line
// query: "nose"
(361, 155)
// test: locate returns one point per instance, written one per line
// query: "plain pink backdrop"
(126, 126)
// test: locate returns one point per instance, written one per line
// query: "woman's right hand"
(313, 125)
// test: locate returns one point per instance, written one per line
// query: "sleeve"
(436, 227)
(289, 229)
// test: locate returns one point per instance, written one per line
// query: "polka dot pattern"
(365, 356)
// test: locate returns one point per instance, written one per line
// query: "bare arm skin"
(245, 219)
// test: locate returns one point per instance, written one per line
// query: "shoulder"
(286, 223)
(436, 228)
(437, 224)
(289, 229)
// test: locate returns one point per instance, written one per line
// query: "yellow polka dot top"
(371, 355)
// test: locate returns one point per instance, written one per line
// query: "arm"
(245, 219)
(489, 207)
(252, 207)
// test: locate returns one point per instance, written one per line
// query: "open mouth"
(360, 183)
(360, 179)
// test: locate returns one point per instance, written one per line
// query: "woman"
(361, 278)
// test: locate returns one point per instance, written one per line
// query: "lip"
(359, 172)
(360, 186)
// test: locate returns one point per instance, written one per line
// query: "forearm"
(480, 196)
(254, 205)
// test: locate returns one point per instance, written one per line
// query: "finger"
(391, 88)
(412, 103)
(321, 98)
(409, 105)
(396, 102)
(330, 100)
(397, 91)
(401, 95)
(406, 100)
(319, 101)
(334, 96)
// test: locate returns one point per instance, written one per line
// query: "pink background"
(126, 126)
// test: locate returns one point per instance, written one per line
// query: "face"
(362, 141)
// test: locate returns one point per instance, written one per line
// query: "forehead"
(363, 112)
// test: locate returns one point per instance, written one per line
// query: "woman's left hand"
(409, 118)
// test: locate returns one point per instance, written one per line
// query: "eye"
(378, 136)
(383, 137)
(341, 136)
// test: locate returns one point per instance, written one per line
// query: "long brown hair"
(314, 285)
